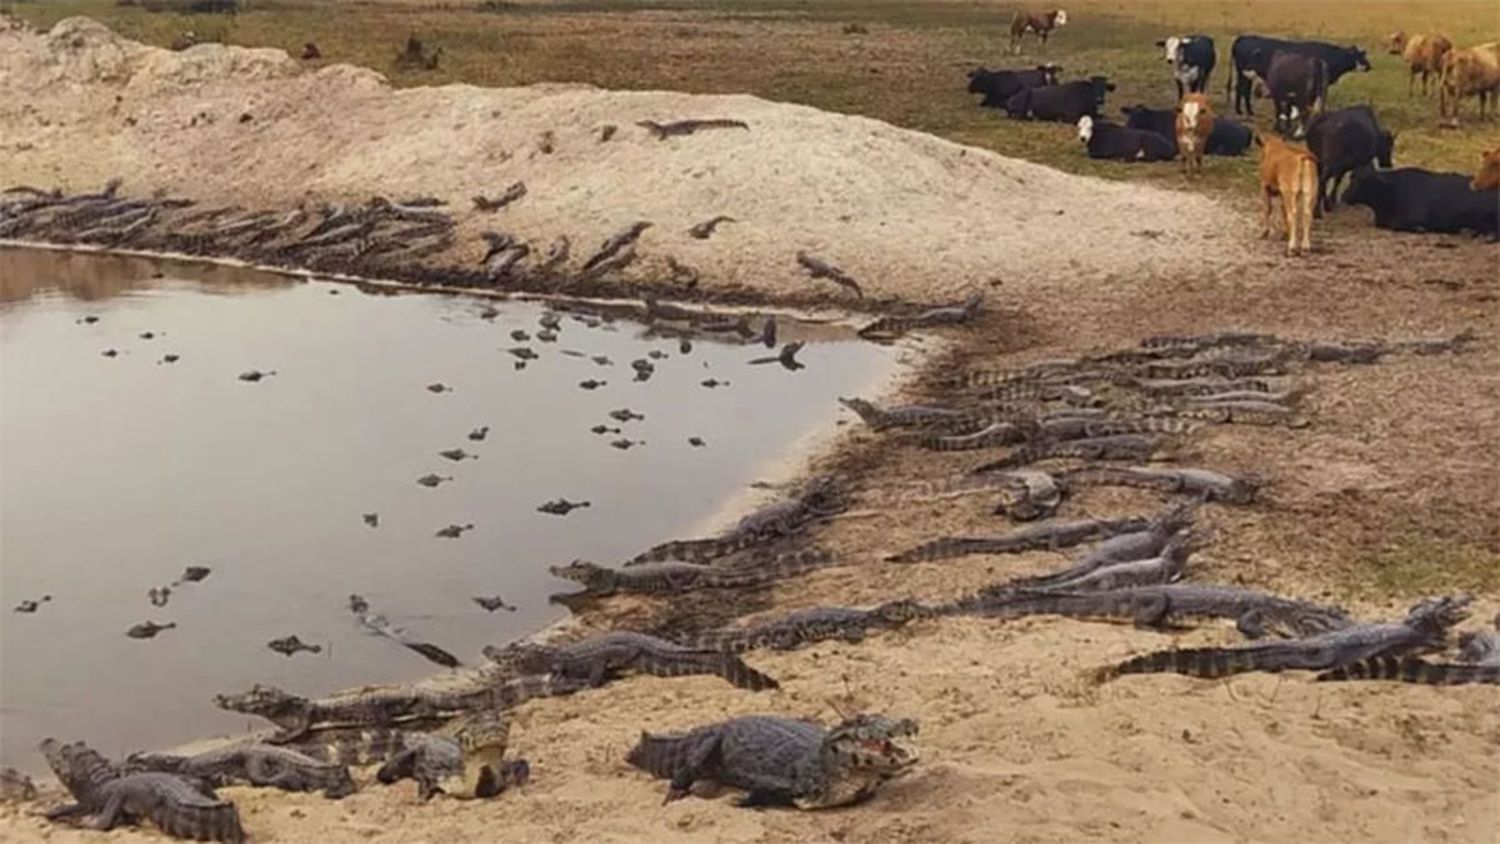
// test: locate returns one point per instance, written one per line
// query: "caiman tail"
(741, 675)
(1208, 663)
(1413, 670)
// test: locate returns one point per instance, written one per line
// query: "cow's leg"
(1322, 194)
(1289, 203)
(1411, 77)
(1265, 212)
(1307, 200)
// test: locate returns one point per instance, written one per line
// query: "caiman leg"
(105, 820)
(1252, 624)
(697, 760)
(398, 767)
(1154, 613)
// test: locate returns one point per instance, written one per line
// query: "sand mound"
(908, 214)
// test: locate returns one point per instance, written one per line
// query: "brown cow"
(1040, 25)
(1195, 122)
(1290, 172)
(1423, 54)
(1488, 177)
(1470, 71)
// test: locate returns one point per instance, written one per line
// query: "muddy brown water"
(118, 472)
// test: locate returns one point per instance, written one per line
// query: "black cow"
(1063, 103)
(997, 86)
(1227, 138)
(1253, 53)
(1415, 200)
(1298, 86)
(1192, 59)
(1122, 143)
(1343, 140)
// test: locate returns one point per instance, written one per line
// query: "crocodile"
(1200, 483)
(516, 191)
(1203, 342)
(1031, 495)
(805, 627)
(705, 229)
(432, 479)
(1255, 614)
(1142, 544)
(782, 760)
(820, 499)
(1409, 669)
(1424, 628)
(905, 416)
(615, 244)
(1042, 537)
(265, 765)
(456, 454)
(452, 531)
(671, 578)
(149, 629)
(662, 131)
(107, 796)
(602, 657)
(490, 603)
(556, 254)
(787, 357)
(1110, 447)
(1244, 412)
(291, 645)
(371, 519)
(767, 336)
(818, 268)
(384, 706)
(1199, 386)
(946, 315)
(465, 760)
(996, 434)
(561, 506)
(254, 375)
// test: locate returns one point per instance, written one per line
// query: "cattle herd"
(1317, 149)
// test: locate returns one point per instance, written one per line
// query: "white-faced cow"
(1227, 138)
(1192, 59)
(1039, 24)
(1253, 53)
(997, 86)
(1195, 122)
(1112, 141)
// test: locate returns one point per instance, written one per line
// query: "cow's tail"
(1320, 89)
(1234, 72)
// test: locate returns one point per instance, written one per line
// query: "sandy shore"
(1017, 745)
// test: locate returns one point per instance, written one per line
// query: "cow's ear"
(1109, 86)
(1162, 43)
(1258, 140)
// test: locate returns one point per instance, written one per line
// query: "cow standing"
(1423, 55)
(1291, 173)
(997, 86)
(1297, 84)
(1227, 138)
(1105, 140)
(1192, 59)
(1344, 140)
(1470, 71)
(1195, 121)
(1253, 53)
(1040, 25)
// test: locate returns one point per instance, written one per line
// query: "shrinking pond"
(118, 472)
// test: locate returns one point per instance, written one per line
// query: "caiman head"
(520, 658)
(897, 613)
(873, 744)
(863, 409)
(482, 740)
(580, 571)
(79, 767)
(266, 701)
(1434, 616)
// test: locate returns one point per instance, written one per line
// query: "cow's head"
(1059, 17)
(1361, 61)
(977, 78)
(1102, 86)
(1049, 73)
(1398, 42)
(1364, 186)
(1085, 128)
(1257, 84)
(1173, 48)
(1385, 148)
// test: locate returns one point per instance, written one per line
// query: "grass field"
(907, 66)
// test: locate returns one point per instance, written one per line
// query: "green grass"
(909, 69)
(1418, 565)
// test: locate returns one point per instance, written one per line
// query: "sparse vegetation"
(910, 70)
(1414, 565)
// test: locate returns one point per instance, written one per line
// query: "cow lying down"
(1113, 141)
(1410, 199)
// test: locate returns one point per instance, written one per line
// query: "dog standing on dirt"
(1195, 122)
(1290, 172)
(1040, 25)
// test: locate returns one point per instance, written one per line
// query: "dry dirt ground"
(1390, 494)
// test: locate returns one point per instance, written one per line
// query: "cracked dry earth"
(1017, 744)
